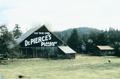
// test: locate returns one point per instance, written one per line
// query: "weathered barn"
(105, 50)
(40, 42)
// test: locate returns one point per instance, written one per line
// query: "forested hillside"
(90, 38)
(64, 35)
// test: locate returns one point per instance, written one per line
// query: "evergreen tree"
(102, 38)
(5, 40)
(16, 31)
(16, 34)
(8, 45)
(117, 48)
(73, 40)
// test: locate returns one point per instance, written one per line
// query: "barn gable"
(39, 37)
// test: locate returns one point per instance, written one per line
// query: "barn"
(40, 42)
(105, 50)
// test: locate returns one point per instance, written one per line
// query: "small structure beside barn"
(67, 51)
(40, 42)
(105, 50)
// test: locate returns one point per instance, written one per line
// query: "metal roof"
(105, 48)
(66, 49)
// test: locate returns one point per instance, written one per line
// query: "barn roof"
(24, 36)
(29, 32)
(105, 48)
(66, 49)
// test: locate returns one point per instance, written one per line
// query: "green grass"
(83, 67)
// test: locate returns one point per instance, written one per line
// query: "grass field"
(83, 67)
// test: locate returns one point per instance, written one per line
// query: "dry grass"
(83, 67)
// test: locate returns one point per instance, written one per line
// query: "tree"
(16, 31)
(16, 34)
(5, 40)
(73, 40)
(102, 39)
(8, 45)
(117, 49)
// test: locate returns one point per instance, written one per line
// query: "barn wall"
(106, 52)
(40, 36)
(39, 52)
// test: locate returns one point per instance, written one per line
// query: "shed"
(68, 52)
(105, 50)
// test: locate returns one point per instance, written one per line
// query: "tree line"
(87, 43)
(81, 43)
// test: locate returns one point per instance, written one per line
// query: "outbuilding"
(67, 51)
(40, 42)
(105, 50)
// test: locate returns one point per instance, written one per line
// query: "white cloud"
(62, 14)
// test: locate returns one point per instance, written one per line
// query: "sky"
(60, 14)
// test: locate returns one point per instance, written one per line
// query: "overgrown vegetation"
(8, 45)
(86, 43)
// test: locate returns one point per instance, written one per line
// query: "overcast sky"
(61, 14)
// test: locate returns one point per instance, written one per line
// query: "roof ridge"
(26, 34)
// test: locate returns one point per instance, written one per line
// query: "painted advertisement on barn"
(43, 39)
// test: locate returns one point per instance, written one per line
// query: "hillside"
(64, 35)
